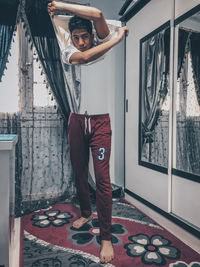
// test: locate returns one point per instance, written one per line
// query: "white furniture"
(7, 197)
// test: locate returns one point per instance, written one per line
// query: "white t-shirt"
(94, 87)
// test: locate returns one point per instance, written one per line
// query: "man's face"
(82, 40)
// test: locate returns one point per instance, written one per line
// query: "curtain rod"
(74, 3)
(188, 30)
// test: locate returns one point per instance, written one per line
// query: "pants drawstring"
(87, 125)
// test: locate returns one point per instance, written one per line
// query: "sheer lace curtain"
(188, 110)
(182, 158)
(46, 173)
(43, 167)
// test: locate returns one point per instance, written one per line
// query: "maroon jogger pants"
(93, 131)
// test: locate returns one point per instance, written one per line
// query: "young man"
(92, 131)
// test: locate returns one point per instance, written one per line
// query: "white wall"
(182, 6)
(110, 8)
(149, 184)
(146, 183)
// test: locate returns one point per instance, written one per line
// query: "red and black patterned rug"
(48, 239)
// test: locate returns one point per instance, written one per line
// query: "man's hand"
(123, 31)
(53, 7)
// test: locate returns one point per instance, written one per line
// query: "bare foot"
(81, 221)
(107, 252)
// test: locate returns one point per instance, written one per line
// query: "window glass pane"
(41, 92)
(9, 87)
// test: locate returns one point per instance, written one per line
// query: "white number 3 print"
(102, 151)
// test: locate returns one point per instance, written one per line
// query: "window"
(9, 87)
(42, 96)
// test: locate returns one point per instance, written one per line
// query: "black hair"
(76, 22)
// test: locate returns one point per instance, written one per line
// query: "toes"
(80, 222)
(76, 225)
(103, 260)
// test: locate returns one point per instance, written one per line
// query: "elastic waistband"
(97, 116)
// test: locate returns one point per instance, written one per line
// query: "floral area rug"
(49, 240)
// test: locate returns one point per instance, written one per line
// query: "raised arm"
(97, 51)
(83, 11)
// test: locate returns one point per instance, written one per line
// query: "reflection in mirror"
(154, 98)
(188, 96)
